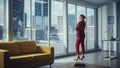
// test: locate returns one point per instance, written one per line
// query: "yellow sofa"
(25, 54)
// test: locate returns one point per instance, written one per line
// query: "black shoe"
(82, 57)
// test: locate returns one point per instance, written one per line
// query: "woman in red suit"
(80, 37)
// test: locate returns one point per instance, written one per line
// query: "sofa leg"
(50, 66)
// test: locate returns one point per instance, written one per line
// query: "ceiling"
(100, 2)
(92, 2)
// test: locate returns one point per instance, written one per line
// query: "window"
(40, 21)
(81, 10)
(21, 16)
(57, 28)
(30, 20)
(90, 28)
(71, 27)
(3, 21)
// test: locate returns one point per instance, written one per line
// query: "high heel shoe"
(77, 58)
(82, 57)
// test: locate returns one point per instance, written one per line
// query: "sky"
(1, 12)
(71, 9)
(57, 8)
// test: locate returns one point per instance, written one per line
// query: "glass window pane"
(3, 22)
(71, 27)
(90, 28)
(81, 10)
(21, 17)
(30, 21)
(56, 27)
(40, 14)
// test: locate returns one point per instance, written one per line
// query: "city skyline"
(38, 21)
(35, 25)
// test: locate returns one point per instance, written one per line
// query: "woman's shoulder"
(82, 22)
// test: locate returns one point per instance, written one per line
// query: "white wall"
(99, 27)
(103, 26)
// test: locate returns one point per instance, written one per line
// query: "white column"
(30, 38)
(115, 25)
(65, 26)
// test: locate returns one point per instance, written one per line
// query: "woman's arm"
(78, 27)
(82, 27)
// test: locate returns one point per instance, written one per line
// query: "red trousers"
(78, 42)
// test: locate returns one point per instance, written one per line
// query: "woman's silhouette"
(80, 35)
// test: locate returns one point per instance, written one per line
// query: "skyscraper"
(41, 8)
(60, 24)
(45, 8)
(41, 15)
(38, 9)
(18, 13)
(72, 20)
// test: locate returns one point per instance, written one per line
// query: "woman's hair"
(82, 16)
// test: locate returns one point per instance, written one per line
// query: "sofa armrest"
(46, 49)
(4, 58)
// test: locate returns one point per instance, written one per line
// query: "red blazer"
(80, 29)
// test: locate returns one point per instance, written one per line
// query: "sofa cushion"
(11, 46)
(28, 58)
(27, 47)
(20, 59)
(40, 57)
